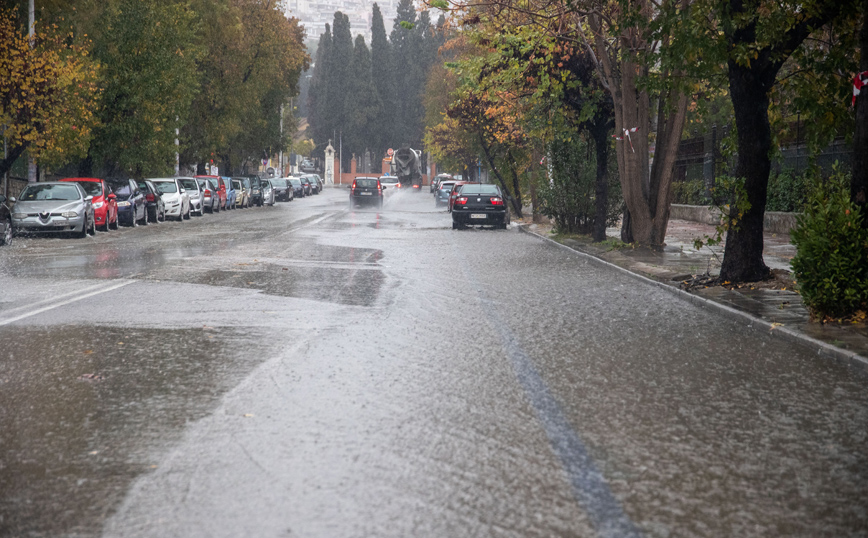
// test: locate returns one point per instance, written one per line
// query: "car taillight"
(354, 185)
(416, 186)
(461, 201)
(149, 197)
(497, 201)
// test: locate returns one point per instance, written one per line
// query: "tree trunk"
(516, 204)
(600, 133)
(859, 180)
(12, 156)
(743, 256)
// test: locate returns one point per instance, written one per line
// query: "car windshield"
(236, 185)
(480, 189)
(50, 192)
(92, 188)
(189, 184)
(366, 182)
(165, 187)
(389, 179)
(203, 185)
(296, 182)
(142, 186)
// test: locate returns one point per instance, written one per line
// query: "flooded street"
(311, 370)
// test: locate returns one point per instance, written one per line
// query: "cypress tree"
(383, 75)
(406, 71)
(362, 105)
(317, 103)
(339, 75)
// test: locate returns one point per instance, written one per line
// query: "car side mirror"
(88, 198)
(112, 196)
(384, 187)
(12, 199)
(183, 191)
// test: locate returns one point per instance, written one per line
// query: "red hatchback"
(105, 205)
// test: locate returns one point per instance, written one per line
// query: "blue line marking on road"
(589, 486)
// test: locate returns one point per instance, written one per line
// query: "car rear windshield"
(367, 183)
(480, 189)
(50, 192)
(446, 186)
(189, 184)
(121, 189)
(296, 182)
(92, 188)
(164, 187)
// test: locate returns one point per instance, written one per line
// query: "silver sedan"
(53, 207)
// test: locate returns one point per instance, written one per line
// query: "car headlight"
(98, 205)
(123, 204)
(19, 215)
(69, 214)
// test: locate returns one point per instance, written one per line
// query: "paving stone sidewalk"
(778, 309)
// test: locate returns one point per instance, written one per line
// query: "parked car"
(153, 201)
(366, 190)
(53, 207)
(210, 198)
(255, 190)
(194, 191)
(243, 193)
(480, 204)
(280, 189)
(435, 183)
(5, 222)
(174, 196)
(267, 190)
(231, 193)
(132, 208)
(308, 188)
(220, 185)
(297, 187)
(315, 187)
(105, 205)
(319, 181)
(454, 193)
(441, 197)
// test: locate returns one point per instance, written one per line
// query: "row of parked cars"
(471, 203)
(79, 206)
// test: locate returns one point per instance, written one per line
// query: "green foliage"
(788, 191)
(690, 192)
(147, 51)
(569, 199)
(831, 263)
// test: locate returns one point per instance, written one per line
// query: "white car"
(174, 196)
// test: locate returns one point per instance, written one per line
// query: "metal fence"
(700, 158)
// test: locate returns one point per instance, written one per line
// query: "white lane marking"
(66, 302)
(55, 298)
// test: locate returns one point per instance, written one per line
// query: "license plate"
(367, 193)
(477, 215)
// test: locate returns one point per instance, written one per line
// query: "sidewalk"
(773, 305)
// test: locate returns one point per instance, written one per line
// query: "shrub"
(690, 192)
(569, 198)
(788, 191)
(831, 263)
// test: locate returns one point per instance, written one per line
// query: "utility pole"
(280, 160)
(31, 34)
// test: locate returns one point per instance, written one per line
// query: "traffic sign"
(390, 152)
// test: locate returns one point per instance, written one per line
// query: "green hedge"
(831, 263)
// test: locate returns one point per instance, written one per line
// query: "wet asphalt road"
(308, 370)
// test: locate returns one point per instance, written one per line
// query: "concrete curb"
(823, 349)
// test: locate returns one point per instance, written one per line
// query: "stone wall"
(774, 222)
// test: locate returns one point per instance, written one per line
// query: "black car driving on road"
(366, 190)
(479, 204)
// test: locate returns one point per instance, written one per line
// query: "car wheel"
(83, 232)
(6, 239)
